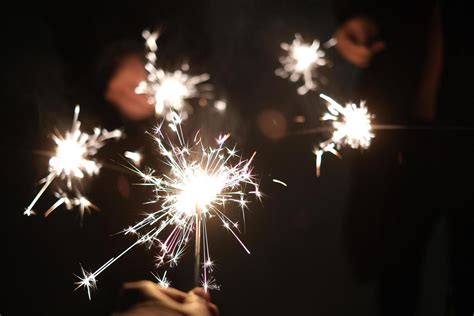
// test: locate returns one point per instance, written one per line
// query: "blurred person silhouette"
(416, 60)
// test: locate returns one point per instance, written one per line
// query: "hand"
(357, 41)
(121, 90)
(198, 303)
(147, 298)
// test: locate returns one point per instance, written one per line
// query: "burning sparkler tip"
(351, 124)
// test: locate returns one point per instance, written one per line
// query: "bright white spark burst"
(169, 91)
(352, 126)
(72, 161)
(301, 62)
(210, 284)
(201, 181)
(88, 281)
(162, 281)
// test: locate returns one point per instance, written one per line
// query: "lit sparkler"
(302, 61)
(72, 161)
(351, 126)
(201, 182)
(169, 91)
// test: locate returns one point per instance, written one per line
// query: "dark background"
(61, 55)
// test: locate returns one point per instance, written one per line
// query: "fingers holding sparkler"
(146, 297)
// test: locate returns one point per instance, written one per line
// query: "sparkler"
(169, 91)
(201, 182)
(351, 125)
(302, 61)
(72, 161)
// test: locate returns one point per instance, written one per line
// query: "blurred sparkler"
(169, 91)
(301, 62)
(201, 182)
(72, 161)
(351, 126)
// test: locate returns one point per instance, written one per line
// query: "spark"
(72, 161)
(130, 230)
(162, 281)
(280, 182)
(87, 281)
(200, 182)
(70, 202)
(351, 126)
(301, 62)
(210, 284)
(209, 264)
(169, 91)
(135, 157)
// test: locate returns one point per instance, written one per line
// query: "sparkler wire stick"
(197, 248)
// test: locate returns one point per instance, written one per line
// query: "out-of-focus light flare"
(220, 105)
